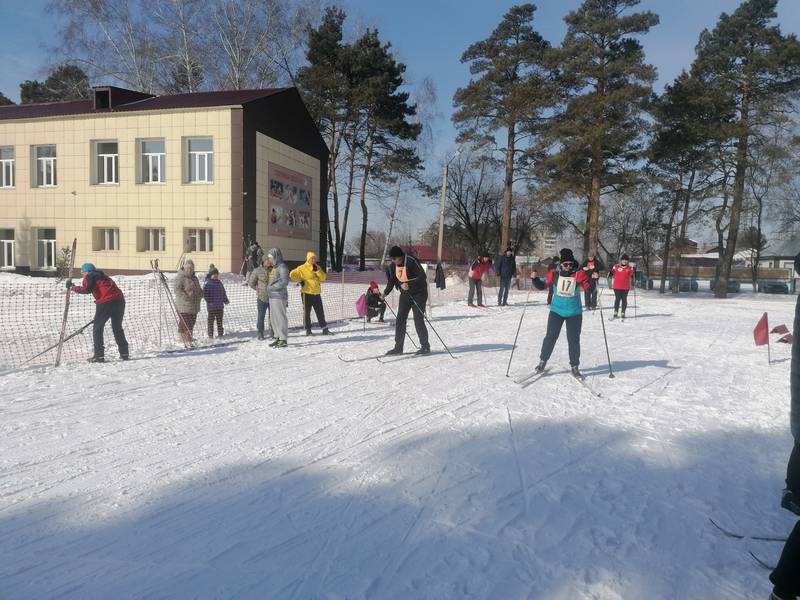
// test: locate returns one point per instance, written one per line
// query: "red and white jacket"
(622, 276)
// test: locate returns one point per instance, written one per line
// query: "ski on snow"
(585, 384)
(531, 378)
(761, 562)
(353, 360)
(742, 536)
(396, 357)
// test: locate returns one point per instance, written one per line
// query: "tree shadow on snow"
(414, 506)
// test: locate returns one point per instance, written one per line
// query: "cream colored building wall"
(75, 206)
(270, 150)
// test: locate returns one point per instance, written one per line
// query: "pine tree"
(748, 62)
(4, 100)
(65, 82)
(606, 86)
(513, 90)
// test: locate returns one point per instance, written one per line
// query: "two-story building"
(135, 177)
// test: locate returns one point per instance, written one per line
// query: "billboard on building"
(289, 208)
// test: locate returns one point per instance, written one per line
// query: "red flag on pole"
(780, 329)
(761, 332)
(787, 339)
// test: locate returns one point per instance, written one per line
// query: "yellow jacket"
(311, 279)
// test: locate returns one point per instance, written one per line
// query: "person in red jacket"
(109, 304)
(476, 270)
(622, 274)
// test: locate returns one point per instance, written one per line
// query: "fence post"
(341, 297)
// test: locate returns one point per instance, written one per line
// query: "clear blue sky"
(428, 35)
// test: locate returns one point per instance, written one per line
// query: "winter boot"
(124, 357)
(791, 502)
(615, 315)
(280, 344)
(423, 350)
(275, 342)
(308, 332)
(97, 359)
(326, 331)
(576, 373)
(394, 351)
(261, 336)
(541, 366)
(623, 315)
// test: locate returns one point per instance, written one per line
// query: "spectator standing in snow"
(786, 575)
(255, 256)
(376, 305)
(506, 268)
(216, 299)
(311, 276)
(258, 280)
(478, 267)
(407, 275)
(553, 269)
(622, 274)
(565, 308)
(188, 295)
(592, 267)
(278, 297)
(109, 304)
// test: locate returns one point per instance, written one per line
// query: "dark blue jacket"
(214, 293)
(506, 267)
(795, 376)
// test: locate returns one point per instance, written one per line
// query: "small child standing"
(376, 305)
(216, 299)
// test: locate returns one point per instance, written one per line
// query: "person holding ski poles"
(188, 295)
(622, 274)
(506, 269)
(310, 276)
(376, 305)
(407, 275)
(565, 308)
(109, 304)
(478, 267)
(592, 267)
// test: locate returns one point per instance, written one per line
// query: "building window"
(106, 163)
(7, 249)
(105, 238)
(46, 248)
(7, 167)
(45, 166)
(199, 240)
(200, 160)
(151, 239)
(153, 160)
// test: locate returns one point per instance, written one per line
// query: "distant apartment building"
(136, 177)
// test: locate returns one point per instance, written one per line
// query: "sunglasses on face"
(567, 265)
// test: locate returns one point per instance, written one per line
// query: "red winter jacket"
(479, 268)
(99, 285)
(622, 277)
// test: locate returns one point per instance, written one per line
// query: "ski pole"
(605, 337)
(410, 339)
(514, 347)
(635, 303)
(66, 339)
(424, 316)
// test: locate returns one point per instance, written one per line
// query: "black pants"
(376, 311)
(215, 315)
(786, 576)
(502, 293)
(404, 306)
(590, 295)
(475, 284)
(793, 470)
(554, 323)
(313, 301)
(620, 297)
(114, 310)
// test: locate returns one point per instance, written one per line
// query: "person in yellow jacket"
(310, 275)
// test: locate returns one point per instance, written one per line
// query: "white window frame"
(198, 157)
(8, 251)
(155, 239)
(107, 160)
(8, 167)
(148, 157)
(42, 165)
(199, 240)
(107, 239)
(44, 243)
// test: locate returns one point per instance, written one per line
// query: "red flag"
(761, 332)
(780, 329)
(787, 339)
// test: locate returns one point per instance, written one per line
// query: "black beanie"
(567, 255)
(395, 252)
(556, 259)
(624, 257)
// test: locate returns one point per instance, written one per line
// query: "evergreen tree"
(606, 86)
(748, 62)
(65, 82)
(4, 100)
(513, 90)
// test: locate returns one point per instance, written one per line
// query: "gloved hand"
(314, 267)
(69, 283)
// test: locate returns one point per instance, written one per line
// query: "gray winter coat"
(279, 277)
(795, 376)
(188, 293)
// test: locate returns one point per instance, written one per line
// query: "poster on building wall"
(289, 205)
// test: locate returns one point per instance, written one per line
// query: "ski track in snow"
(247, 472)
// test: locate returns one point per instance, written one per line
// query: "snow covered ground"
(247, 472)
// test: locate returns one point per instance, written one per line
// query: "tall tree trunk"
(668, 244)
(721, 290)
(391, 225)
(720, 229)
(757, 260)
(507, 188)
(333, 244)
(351, 172)
(687, 198)
(593, 212)
(367, 166)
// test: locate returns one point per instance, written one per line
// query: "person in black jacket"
(590, 266)
(408, 276)
(376, 305)
(505, 268)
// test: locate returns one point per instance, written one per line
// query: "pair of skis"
(529, 379)
(743, 536)
(390, 358)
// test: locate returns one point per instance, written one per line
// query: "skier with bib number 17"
(566, 307)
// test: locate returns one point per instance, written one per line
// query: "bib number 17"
(566, 287)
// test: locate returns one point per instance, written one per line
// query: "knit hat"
(624, 257)
(87, 267)
(188, 263)
(373, 285)
(510, 249)
(567, 255)
(396, 252)
(212, 270)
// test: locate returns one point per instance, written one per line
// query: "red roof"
(429, 253)
(192, 100)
